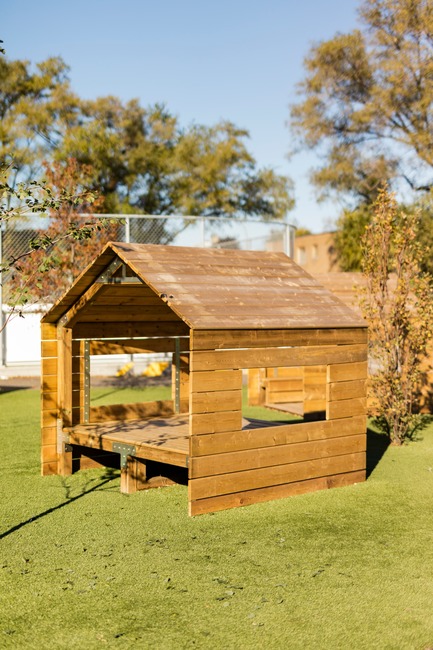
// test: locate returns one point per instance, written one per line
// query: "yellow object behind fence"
(155, 369)
(125, 369)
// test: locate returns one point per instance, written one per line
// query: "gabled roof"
(210, 288)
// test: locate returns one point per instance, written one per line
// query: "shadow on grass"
(377, 444)
(108, 476)
(11, 389)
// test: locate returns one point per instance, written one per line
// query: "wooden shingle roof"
(211, 288)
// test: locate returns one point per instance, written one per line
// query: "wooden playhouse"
(220, 313)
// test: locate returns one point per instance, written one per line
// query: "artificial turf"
(84, 566)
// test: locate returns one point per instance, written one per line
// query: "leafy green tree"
(397, 303)
(34, 108)
(351, 227)
(367, 100)
(142, 159)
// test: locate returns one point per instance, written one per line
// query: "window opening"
(285, 394)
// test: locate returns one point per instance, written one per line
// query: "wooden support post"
(177, 377)
(133, 475)
(64, 450)
(49, 400)
(65, 459)
(86, 381)
(256, 387)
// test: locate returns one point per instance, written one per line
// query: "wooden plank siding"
(232, 339)
(237, 310)
(122, 412)
(315, 392)
(129, 330)
(231, 466)
(274, 357)
(49, 399)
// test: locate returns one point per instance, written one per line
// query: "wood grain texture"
(163, 440)
(64, 373)
(260, 495)
(347, 389)
(49, 367)
(273, 357)
(133, 476)
(215, 380)
(274, 455)
(216, 401)
(253, 479)
(161, 408)
(346, 407)
(129, 330)
(347, 371)
(132, 346)
(277, 434)
(212, 423)
(49, 418)
(80, 305)
(48, 468)
(176, 271)
(48, 332)
(228, 339)
(48, 349)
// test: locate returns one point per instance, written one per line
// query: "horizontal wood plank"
(49, 418)
(48, 332)
(261, 495)
(347, 371)
(271, 357)
(148, 452)
(122, 315)
(347, 389)
(49, 435)
(284, 384)
(128, 330)
(215, 380)
(49, 453)
(131, 411)
(346, 407)
(49, 367)
(49, 383)
(279, 396)
(275, 455)
(131, 346)
(254, 438)
(48, 349)
(211, 486)
(216, 401)
(209, 423)
(49, 400)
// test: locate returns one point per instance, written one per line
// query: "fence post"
(127, 230)
(289, 240)
(202, 232)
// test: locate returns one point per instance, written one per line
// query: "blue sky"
(238, 60)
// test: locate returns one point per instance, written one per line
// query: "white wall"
(23, 347)
(23, 338)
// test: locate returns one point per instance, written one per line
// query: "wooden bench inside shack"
(227, 318)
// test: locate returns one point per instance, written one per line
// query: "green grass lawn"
(83, 566)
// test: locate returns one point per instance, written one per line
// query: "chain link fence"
(243, 234)
(211, 232)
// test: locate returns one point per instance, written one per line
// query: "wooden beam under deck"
(164, 440)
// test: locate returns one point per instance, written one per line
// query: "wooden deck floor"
(161, 439)
(165, 440)
(287, 407)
